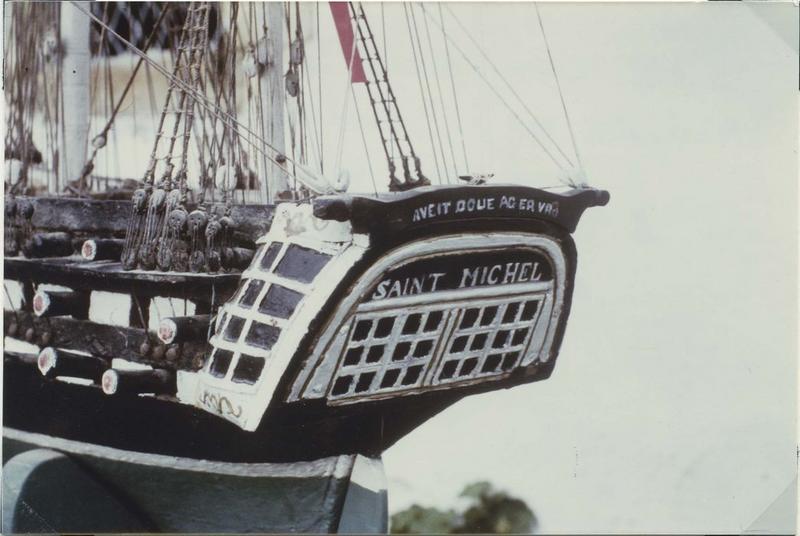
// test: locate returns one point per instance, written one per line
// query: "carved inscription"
(220, 404)
(463, 271)
(507, 205)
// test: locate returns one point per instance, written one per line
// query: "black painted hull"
(163, 427)
(100, 492)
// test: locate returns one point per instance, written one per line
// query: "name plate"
(463, 271)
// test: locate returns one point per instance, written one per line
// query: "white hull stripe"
(332, 466)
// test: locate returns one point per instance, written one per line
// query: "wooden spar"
(184, 328)
(273, 98)
(40, 245)
(156, 381)
(47, 303)
(102, 249)
(54, 362)
(98, 339)
(101, 340)
(77, 61)
(25, 359)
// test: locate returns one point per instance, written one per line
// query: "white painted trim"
(455, 295)
(369, 474)
(245, 404)
(314, 379)
(332, 466)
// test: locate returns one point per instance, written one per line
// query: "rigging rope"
(101, 139)
(498, 95)
(385, 109)
(422, 92)
(345, 105)
(364, 140)
(315, 128)
(558, 84)
(430, 96)
(21, 88)
(151, 239)
(453, 87)
(225, 117)
(441, 99)
(385, 51)
(510, 87)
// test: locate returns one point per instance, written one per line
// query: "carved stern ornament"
(362, 308)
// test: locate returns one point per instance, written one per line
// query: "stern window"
(248, 369)
(220, 361)
(269, 255)
(251, 293)
(280, 301)
(234, 328)
(262, 335)
(301, 264)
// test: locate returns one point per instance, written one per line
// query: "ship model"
(325, 324)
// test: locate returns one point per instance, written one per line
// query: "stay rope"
(100, 140)
(449, 137)
(430, 96)
(259, 144)
(558, 85)
(422, 92)
(453, 87)
(500, 97)
(510, 87)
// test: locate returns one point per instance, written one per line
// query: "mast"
(76, 68)
(273, 99)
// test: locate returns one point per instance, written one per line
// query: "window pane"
(220, 362)
(251, 293)
(221, 323)
(301, 264)
(262, 335)
(248, 369)
(234, 329)
(269, 255)
(280, 301)
(240, 289)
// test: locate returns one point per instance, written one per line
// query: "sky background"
(673, 404)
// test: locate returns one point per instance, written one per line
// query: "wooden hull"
(110, 490)
(291, 433)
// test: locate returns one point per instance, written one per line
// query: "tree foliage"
(420, 520)
(487, 511)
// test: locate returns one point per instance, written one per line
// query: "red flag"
(341, 17)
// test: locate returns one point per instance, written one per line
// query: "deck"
(79, 274)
